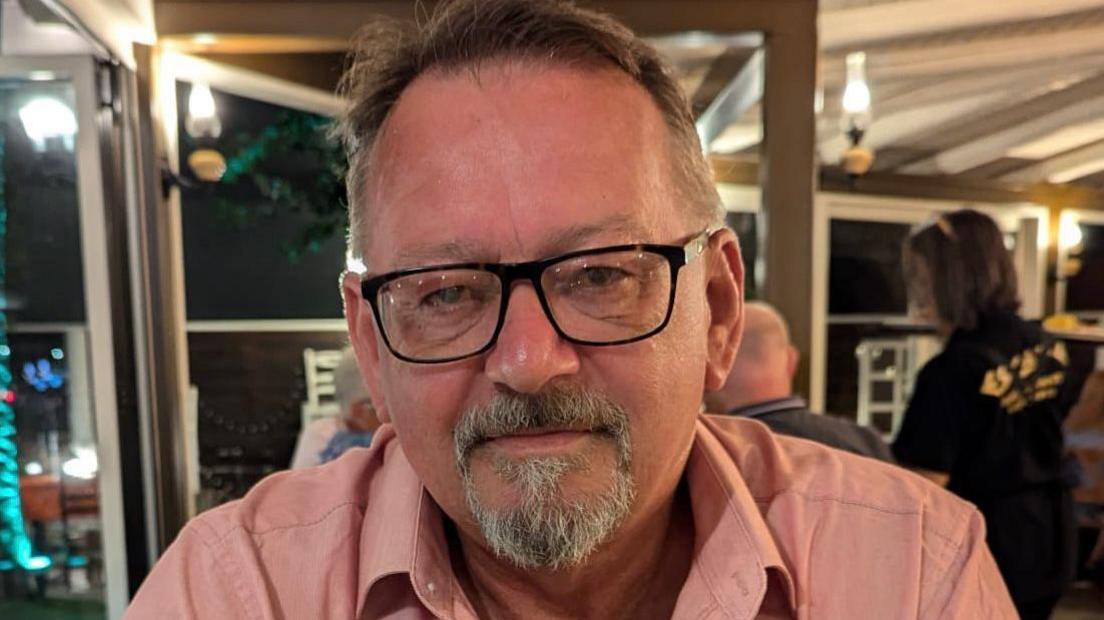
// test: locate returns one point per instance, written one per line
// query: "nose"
(529, 353)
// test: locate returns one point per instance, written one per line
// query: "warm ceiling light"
(856, 95)
(201, 104)
(47, 118)
(1069, 231)
(202, 119)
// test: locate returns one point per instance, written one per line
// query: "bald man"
(760, 386)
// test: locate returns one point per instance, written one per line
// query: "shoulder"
(832, 431)
(911, 544)
(302, 497)
(804, 472)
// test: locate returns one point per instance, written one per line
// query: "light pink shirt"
(784, 528)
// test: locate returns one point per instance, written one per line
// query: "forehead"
(509, 159)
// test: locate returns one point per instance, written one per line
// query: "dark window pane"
(44, 280)
(240, 257)
(1085, 291)
(865, 274)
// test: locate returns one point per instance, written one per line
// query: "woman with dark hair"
(985, 419)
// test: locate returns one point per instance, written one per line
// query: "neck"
(638, 573)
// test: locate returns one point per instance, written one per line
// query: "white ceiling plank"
(1061, 141)
(992, 54)
(1058, 165)
(854, 27)
(995, 145)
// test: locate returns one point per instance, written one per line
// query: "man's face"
(527, 163)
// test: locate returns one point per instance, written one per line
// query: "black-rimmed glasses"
(599, 297)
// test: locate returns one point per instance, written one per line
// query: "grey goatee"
(545, 530)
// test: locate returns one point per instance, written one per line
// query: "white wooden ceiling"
(1010, 89)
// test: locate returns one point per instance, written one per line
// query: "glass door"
(62, 548)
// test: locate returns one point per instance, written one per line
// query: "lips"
(537, 442)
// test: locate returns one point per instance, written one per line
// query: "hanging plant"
(296, 168)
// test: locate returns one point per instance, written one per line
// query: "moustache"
(561, 408)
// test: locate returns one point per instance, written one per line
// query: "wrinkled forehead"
(504, 163)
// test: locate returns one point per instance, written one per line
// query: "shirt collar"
(733, 548)
(403, 535)
(755, 410)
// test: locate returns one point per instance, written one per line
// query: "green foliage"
(296, 168)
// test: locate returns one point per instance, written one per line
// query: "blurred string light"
(15, 546)
(41, 376)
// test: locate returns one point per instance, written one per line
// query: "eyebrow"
(576, 237)
(450, 251)
(560, 242)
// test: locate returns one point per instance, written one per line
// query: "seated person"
(325, 439)
(541, 288)
(760, 387)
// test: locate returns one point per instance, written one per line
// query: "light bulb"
(856, 95)
(201, 105)
(202, 120)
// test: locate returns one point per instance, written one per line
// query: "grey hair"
(461, 34)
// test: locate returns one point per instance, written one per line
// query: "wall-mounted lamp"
(45, 119)
(202, 123)
(857, 160)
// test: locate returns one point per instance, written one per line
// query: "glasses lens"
(609, 297)
(439, 315)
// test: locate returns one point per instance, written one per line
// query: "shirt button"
(432, 587)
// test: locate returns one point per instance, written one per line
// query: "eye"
(599, 276)
(447, 296)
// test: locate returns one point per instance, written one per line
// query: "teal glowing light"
(15, 547)
(38, 562)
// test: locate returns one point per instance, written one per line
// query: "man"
(325, 439)
(545, 292)
(760, 387)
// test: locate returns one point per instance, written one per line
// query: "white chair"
(318, 369)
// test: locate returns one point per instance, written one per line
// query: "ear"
(793, 359)
(364, 340)
(725, 295)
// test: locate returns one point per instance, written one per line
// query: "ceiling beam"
(730, 169)
(972, 141)
(741, 93)
(722, 71)
(1004, 133)
(860, 26)
(1057, 165)
(941, 58)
